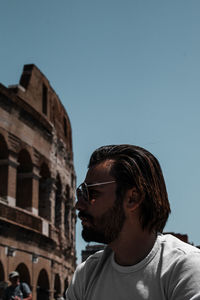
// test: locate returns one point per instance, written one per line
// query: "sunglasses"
(82, 191)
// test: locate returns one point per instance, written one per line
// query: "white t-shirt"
(171, 271)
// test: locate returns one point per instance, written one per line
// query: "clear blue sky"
(127, 71)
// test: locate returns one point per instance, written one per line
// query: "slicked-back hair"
(136, 167)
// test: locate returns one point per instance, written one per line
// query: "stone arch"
(3, 167)
(66, 284)
(65, 126)
(24, 180)
(58, 202)
(55, 110)
(44, 192)
(67, 192)
(67, 131)
(73, 180)
(57, 286)
(3, 147)
(67, 211)
(24, 273)
(43, 285)
(2, 273)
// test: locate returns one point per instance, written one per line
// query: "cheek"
(105, 203)
(98, 211)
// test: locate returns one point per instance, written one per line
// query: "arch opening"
(24, 180)
(57, 287)
(24, 273)
(43, 285)
(58, 202)
(44, 192)
(3, 284)
(3, 167)
(66, 284)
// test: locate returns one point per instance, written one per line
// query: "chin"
(91, 235)
(106, 228)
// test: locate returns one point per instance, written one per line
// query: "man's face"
(102, 218)
(14, 281)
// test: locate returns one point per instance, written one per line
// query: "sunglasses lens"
(82, 193)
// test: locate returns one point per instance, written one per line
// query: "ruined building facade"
(37, 183)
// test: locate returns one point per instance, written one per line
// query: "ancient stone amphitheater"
(37, 183)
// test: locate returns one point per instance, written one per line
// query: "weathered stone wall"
(37, 183)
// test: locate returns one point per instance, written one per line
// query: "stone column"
(34, 278)
(35, 191)
(52, 196)
(12, 179)
(62, 227)
(52, 279)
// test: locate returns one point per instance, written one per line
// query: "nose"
(80, 205)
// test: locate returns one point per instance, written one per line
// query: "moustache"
(83, 215)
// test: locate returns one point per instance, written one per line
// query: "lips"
(85, 223)
(85, 218)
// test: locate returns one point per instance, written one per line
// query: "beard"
(106, 228)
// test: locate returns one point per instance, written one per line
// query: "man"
(17, 290)
(123, 203)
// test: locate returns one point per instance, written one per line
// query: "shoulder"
(25, 287)
(174, 247)
(175, 251)
(85, 273)
(88, 270)
(91, 262)
(9, 288)
(180, 267)
(95, 257)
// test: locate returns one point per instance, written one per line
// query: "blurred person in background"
(17, 290)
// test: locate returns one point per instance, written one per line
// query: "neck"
(130, 250)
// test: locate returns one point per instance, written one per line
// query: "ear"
(133, 199)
